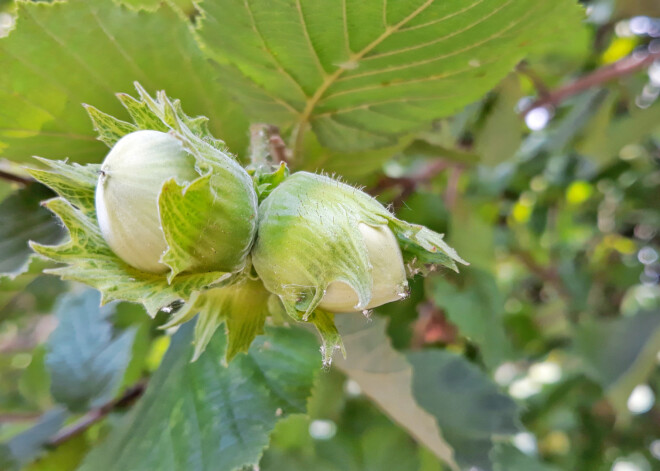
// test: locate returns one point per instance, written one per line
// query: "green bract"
(324, 244)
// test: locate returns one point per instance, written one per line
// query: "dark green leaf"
(506, 457)
(23, 219)
(86, 362)
(26, 446)
(204, 416)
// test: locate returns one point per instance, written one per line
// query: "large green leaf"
(443, 401)
(363, 72)
(85, 360)
(385, 377)
(203, 416)
(23, 219)
(64, 54)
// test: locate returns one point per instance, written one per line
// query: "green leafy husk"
(202, 252)
(309, 238)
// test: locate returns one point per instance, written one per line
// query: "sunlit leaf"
(64, 54)
(385, 377)
(363, 73)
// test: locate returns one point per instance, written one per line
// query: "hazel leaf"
(22, 219)
(86, 357)
(363, 73)
(204, 415)
(59, 67)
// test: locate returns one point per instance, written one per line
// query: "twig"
(451, 192)
(432, 326)
(267, 148)
(15, 178)
(13, 417)
(621, 68)
(548, 275)
(278, 147)
(540, 86)
(94, 416)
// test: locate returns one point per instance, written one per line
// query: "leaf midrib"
(299, 131)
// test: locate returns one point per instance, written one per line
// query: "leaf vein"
(67, 50)
(442, 38)
(430, 78)
(314, 100)
(344, 18)
(303, 23)
(444, 18)
(384, 102)
(144, 77)
(279, 66)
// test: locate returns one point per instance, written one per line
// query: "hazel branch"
(621, 68)
(267, 147)
(90, 418)
(15, 178)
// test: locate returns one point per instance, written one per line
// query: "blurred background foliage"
(555, 203)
